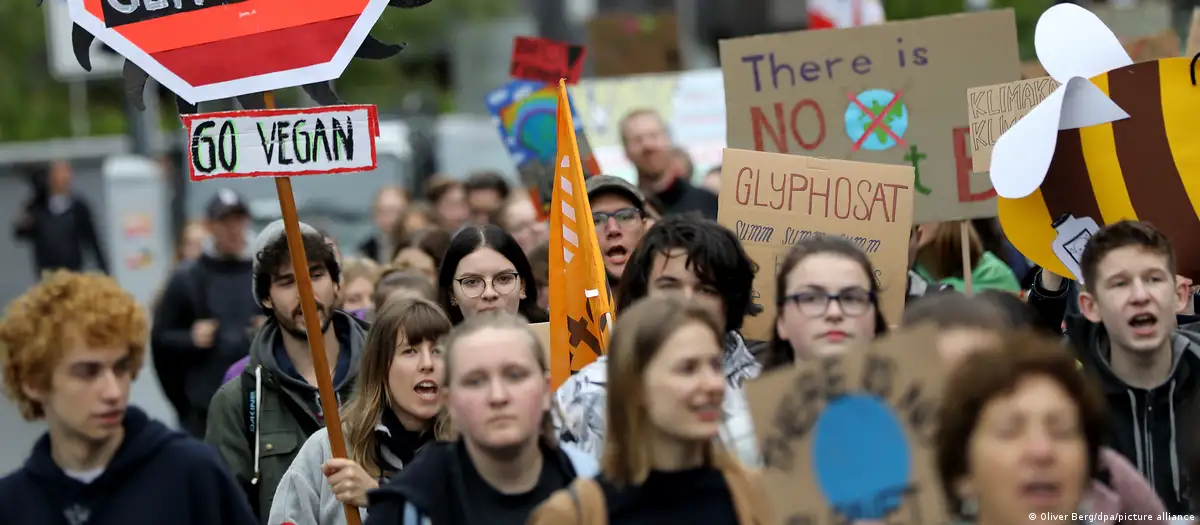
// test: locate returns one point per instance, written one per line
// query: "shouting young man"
(1128, 336)
(71, 347)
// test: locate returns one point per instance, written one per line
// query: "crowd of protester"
(447, 410)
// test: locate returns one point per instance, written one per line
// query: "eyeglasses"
(852, 301)
(624, 217)
(503, 284)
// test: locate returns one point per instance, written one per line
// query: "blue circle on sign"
(861, 457)
(874, 122)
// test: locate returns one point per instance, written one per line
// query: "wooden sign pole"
(312, 322)
(965, 232)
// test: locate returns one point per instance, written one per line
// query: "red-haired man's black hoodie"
(158, 476)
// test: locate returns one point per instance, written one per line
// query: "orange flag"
(581, 306)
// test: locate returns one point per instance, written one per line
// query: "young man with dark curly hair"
(71, 347)
(259, 420)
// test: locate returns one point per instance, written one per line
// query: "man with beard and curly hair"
(259, 420)
(71, 347)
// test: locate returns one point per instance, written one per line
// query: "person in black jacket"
(664, 171)
(72, 346)
(1128, 335)
(204, 320)
(58, 223)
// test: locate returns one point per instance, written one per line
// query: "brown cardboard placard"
(771, 201)
(796, 92)
(1164, 44)
(1193, 40)
(629, 44)
(542, 331)
(994, 109)
(848, 438)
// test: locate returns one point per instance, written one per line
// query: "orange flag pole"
(312, 322)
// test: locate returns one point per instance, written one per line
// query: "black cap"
(598, 184)
(224, 203)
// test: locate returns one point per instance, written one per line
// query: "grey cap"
(598, 184)
(270, 234)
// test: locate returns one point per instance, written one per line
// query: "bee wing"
(1022, 155)
(1072, 42)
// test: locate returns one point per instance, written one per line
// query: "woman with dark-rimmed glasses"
(827, 300)
(486, 270)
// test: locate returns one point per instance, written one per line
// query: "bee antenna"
(1193, 68)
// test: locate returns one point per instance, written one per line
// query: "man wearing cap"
(619, 212)
(204, 319)
(259, 421)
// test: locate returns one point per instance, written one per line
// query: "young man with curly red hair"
(71, 347)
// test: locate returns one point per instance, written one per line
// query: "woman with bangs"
(663, 459)
(390, 417)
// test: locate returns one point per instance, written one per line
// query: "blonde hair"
(354, 268)
(64, 310)
(638, 337)
(496, 321)
(418, 321)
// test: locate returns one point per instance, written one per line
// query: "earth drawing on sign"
(876, 120)
(861, 458)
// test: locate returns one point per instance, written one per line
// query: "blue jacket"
(157, 476)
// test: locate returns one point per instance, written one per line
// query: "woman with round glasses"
(827, 299)
(486, 270)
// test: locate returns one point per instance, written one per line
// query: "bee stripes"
(1063, 193)
(1153, 178)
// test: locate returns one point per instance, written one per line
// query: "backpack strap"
(250, 410)
(590, 506)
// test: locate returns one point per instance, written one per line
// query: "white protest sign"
(282, 142)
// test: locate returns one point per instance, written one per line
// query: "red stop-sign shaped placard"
(213, 49)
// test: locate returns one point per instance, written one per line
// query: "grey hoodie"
(259, 421)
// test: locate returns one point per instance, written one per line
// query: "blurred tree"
(1027, 12)
(35, 106)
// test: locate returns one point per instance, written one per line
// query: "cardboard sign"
(629, 44)
(994, 109)
(875, 94)
(772, 201)
(542, 332)
(848, 438)
(282, 142)
(544, 60)
(692, 103)
(1164, 44)
(526, 115)
(225, 48)
(1193, 39)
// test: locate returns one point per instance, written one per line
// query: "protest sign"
(1193, 35)
(526, 116)
(847, 438)
(692, 104)
(875, 94)
(629, 44)
(270, 143)
(772, 201)
(994, 109)
(544, 60)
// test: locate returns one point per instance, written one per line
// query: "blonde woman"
(358, 284)
(389, 418)
(505, 460)
(663, 460)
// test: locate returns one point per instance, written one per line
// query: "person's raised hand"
(348, 481)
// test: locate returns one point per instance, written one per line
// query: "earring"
(969, 508)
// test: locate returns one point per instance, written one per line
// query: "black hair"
(714, 253)
(780, 352)
(275, 256)
(1020, 314)
(491, 236)
(487, 180)
(952, 309)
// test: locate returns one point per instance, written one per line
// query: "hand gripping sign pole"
(283, 143)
